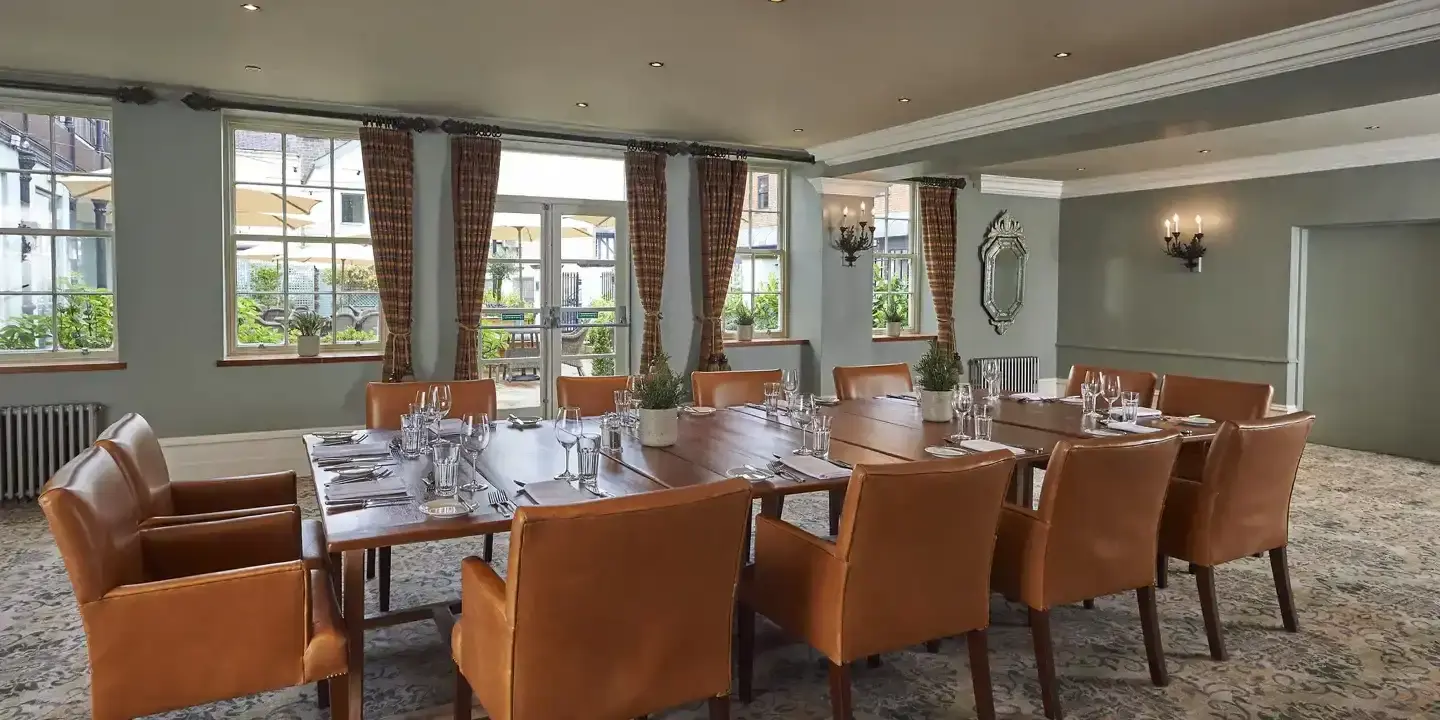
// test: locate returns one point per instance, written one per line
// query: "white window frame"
(780, 194)
(335, 131)
(56, 354)
(916, 256)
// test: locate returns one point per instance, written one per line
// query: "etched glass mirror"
(1002, 259)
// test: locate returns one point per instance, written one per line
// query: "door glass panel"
(515, 235)
(586, 337)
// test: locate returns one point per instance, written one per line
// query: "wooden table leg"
(354, 599)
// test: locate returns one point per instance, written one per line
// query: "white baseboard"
(1281, 409)
(210, 456)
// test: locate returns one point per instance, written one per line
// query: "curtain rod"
(132, 94)
(947, 182)
(452, 126)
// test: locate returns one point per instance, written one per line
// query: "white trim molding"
(1377, 29)
(1339, 157)
(849, 187)
(214, 456)
(1020, 186)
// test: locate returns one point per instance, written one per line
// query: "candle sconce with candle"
(1191, 252)
(851, 240)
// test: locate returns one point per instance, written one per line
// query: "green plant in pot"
(937, 374)
(661, 391)
(307, 326)
(895, 314)
(744, 323)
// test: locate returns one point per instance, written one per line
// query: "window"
(897, 260)
(757, 282)
(57, 235)
(299, 237)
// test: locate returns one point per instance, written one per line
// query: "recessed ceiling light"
(798, 130)
(1079, 169)
(250, 7)
(1062, 54)
(582, 104)
(1203, 152)
(1372, 127)
(253, 68)
(777, 1)
(657, 63)
(904, 99)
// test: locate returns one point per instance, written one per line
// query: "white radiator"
(1017, 373)
(36, 440)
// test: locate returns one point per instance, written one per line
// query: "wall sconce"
(851, 240)
(1191, 252)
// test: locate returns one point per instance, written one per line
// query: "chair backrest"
(866, 381)
(95, 518)
(133, 444)
(385, 403)
(1244, 505)
(918, 539)
(593, 395)
(1130, 381)
(1102, 501)
(624, 607)
(1215, 399)
(728, 388)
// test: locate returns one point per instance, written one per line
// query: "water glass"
(1130, 406)
(622, 405)
(588, 449)
(772, 397)
(983, 424)
(982, 410)
(447, 463)
(612, 425)
(410, 436)
(818, 437)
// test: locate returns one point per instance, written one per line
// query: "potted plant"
(308, 327)
(744, 323)
(894, 316)
(938, 374)
(661, 392)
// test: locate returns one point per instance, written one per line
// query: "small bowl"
(827, 400)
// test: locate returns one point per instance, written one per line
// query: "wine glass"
(440, 400)
(568, 429)
(964, 403)
(1110, 388)
(802, 411)
(474, 438)
(790, 380)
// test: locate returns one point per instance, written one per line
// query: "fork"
(501, 503)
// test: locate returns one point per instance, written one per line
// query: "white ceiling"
(1400, 119)
(745, 71)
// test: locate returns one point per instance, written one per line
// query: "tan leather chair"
(1099, 516)
(595, 396)
(1239, 508)
(386, 402)
(610, 609)
(179, 615)
(1130, 381)
(857, 382)
(1214, 399)
(728, 388)
(911, 564)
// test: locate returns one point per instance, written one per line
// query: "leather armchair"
(728, 388)
(1130, 381)
(594, 396)
(611, 609)
(1240, 507)
(191, 613)
(386, 402)
(1099, 515)
(866, 381)
(911, 565)
(1214, 399)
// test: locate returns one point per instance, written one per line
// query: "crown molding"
(1373, 30)
(849, 187)
(1339, 157)
(1020, 186)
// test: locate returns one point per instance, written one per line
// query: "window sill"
(765, 342)
(322, 359)
(58, 367)
(904, 338)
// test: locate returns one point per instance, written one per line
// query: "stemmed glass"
(474, 438)
(440, 401)
(990, 375)
(1110, 387)
(964, 401)
(424, 409)
(568, 429)
(802, 411)
(790, 380)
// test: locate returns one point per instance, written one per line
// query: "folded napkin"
(1029, 397)
(1143, 412)
(1130, 427)
(1073, 400)
(556, 492)
(328, 452)
(988, 445)
(363, 489)
(818, 468)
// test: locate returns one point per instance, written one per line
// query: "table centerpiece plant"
(937, 374)
(661, 391)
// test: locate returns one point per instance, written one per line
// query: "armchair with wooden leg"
(610, 610)
(911, 565)
(856, 382)
(727, 388)
(1218, 400)
(1139, 381)
(595, 396)
(191, 613)
(1239, 508)
(1099, 515)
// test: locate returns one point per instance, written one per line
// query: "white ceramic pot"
(745, 333)
(893, 329)
(937, 405)
(308, 345)
(659, 428)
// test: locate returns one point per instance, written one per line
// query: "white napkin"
(1143, 412)
(814, 467)
(1131, 427)
(1028, 397)
(988, 445)
(1073, 400)
(555, 492)
(362, 489)
(329, 452)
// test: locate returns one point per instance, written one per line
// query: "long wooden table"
(875, 431)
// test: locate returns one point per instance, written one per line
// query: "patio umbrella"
(525, 227)
(310, 252)
(99, 186)
(257, 219)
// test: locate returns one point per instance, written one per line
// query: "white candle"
(1167, 227)
(1177, 222)
(1199, 226)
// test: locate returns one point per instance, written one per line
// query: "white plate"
(444, 508)
(828, 400)
(528, 422)
(945, 452)
(701, 410)
(1197, 421)
(748, 474)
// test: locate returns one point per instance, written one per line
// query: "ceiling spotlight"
(582, 104)
(1204, 152)
(1062, 54)
(798, 130)
(250, 7)
(904, 99)
(1079, 169)
(253, 68)
(657, 63)
(1372, 127)
(777, 1)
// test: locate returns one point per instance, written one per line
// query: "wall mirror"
(1002, 259)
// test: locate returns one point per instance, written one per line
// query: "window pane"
(765, 230)
(561, 176)
(31, 145)
(356, 317)
(259, 319)
(349, 165)
(24, 263)
(25, 323)
(512, 284)
(309, 276)
(744, 240)
(767, 274)
(264, 209)
(352, 214)
(354, 269)
(85, 202)
(257, 157)
(587, 237)
(307, 161)
(740, 276)
(309, 212)
(86, 322)
(515, 235)
(766, 307)
(764, 192)
(878, 205)
(82, 264)
(25, 200)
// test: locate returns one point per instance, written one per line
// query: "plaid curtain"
(722, 198)
(475, 170)
(389, 159)
(937, 222)
(645, 191)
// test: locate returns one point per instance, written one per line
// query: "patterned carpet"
(1364, 566)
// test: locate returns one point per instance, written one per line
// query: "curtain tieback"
(470, 328)
(400, 333)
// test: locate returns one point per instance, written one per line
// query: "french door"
(557, 293)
